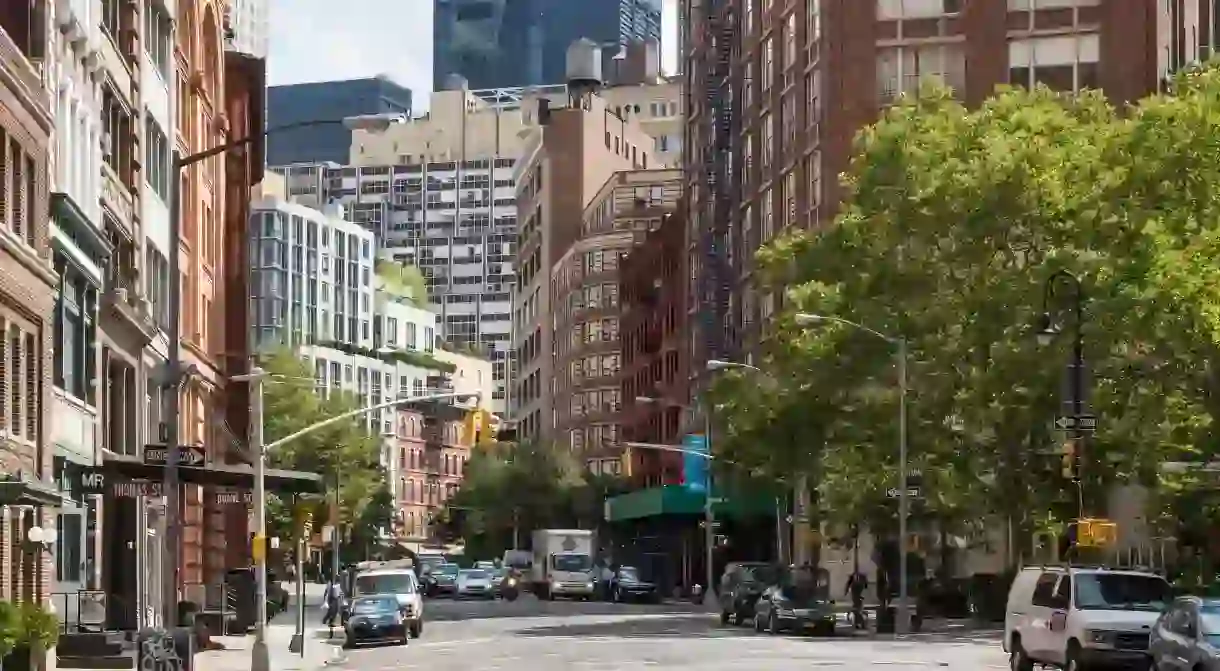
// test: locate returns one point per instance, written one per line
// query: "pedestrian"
(334, 596)
(857, 583)
(883, 588)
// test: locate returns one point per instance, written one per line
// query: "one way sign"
(1076, 422)
(188, 455)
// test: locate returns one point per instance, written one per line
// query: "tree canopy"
(522, 487)
(952, 221)
(345, 453)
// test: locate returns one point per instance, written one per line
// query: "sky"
(322, 40)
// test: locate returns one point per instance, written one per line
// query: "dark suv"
(740, 586)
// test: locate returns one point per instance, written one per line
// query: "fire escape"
(719, 172)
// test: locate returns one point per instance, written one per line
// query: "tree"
(512, 489)
(951, 222)
(345, 453)
(402, 281)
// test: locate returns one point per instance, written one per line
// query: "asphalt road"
(546, 636)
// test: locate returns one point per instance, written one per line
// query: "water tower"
(584, 71)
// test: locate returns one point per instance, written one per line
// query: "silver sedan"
(475, 584)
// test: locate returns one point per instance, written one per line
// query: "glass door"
(70, 562)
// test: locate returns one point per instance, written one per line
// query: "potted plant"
(40, 627)
(11, 628)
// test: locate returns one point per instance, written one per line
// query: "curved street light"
(904, 503)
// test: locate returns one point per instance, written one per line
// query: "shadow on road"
(678, 626)
(444, 610)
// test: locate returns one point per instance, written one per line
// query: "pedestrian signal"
(1071, 459)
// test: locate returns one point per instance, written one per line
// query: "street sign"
(134, 488)
(893, 492)
(92, 480)
(234, 498)
(1076, 422)
(188, 455)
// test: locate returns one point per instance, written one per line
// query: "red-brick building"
(653, 328)
(791, 82)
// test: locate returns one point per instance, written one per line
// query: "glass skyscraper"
(509, 43)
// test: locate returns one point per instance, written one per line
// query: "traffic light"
(478, 426)
(1071, 458)
(1096, 533)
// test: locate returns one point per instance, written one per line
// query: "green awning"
(679, 500)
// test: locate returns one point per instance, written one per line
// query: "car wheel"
(772, 624)
(417, 629)
(1017, 661)
(1073, 658)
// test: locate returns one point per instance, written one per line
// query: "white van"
(1077, 617)
(403, 584)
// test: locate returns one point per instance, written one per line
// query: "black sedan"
(375, 619)
(626, 585)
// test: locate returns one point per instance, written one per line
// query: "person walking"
(334, 596)
(857, 584)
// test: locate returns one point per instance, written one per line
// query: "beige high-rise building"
(572, 154)
(439, 192)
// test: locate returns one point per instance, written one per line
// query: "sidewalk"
(236, 655)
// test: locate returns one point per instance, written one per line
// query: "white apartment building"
(315, 289)
(439, 193)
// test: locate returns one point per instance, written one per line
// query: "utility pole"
(171, 388)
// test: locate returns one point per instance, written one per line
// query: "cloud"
(323, 40)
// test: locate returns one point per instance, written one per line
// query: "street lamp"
(1047, 329)
(172, 379)
(259, 654)
(904, 503)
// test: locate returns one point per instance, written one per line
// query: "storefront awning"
(18, 489)
(239, 476)
(680, 500)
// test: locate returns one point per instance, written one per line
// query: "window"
(1044, 590)
(18, 190)
(157, 157)
(158, 37)
(902, 69)
(75, 333)
(1063, 63)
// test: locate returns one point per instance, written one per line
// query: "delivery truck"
(563, 564)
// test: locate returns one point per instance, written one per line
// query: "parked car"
(375, 619)
(474, 584)
(1187, 636)
(798, 602)
(1074, 617)
(626, 585)
(740, 586)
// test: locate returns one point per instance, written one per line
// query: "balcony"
(72, 427)
(23, 46)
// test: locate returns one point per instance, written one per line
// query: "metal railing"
(82, 610)
(217, 597)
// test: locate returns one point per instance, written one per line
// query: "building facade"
(654, 329)
(587, 352)
(431, 460)
(326, 101)
(508, 43)
(777, 97)
(80, 254)
(569, 158)
(28, 494)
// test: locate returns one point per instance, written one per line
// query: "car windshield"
(1209, 622)
(571, 562)
(762, 574)
(447, 569)
(629, 573)
(476, 574)
(372, 606)
(385, 583)
(1121, 591)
